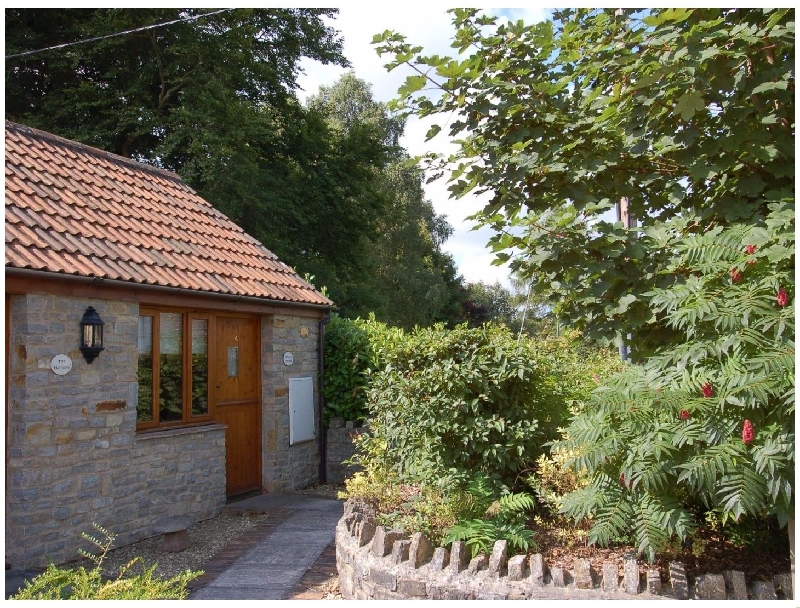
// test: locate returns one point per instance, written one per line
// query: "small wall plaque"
(288, 358)
(61, 365)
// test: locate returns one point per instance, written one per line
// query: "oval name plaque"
(61, 365)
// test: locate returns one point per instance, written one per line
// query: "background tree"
(158, 93)
(418, 281)
(402, 274)
(534, 315)
(486, 303)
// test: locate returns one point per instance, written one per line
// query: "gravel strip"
(206, 539)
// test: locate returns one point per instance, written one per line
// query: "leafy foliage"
(158, 93)
(57, 583)
(450, 404)
(667, 438)
(400, 273)
(490, 519)
(354, 347)
(552, 479)
(686, 113)
(454, 409)
(487, 303)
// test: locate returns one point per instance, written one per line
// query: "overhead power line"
(133, 31)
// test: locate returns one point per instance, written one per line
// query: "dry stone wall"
(375, 563)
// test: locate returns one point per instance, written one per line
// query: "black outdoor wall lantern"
(91, 334)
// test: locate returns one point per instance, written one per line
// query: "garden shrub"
(709, 421)
(453, 404)
(352, 348)
(552, 479)
(446, 407)
(412, 507)
(57, 583)
(347, 356)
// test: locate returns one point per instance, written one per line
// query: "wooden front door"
(237, 396)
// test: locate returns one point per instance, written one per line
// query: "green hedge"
(352, 349)
(451, 404)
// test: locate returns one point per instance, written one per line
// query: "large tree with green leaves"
(489, 302)
(162, 94)
(401, 274)
(688, 114)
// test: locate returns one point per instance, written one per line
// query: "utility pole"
(629, 222)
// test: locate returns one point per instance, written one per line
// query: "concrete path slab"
(271, 569)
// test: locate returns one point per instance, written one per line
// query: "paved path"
(291, 556)
(272, 568)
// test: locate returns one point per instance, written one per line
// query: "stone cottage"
(159, 360)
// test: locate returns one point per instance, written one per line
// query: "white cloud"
(427, 25)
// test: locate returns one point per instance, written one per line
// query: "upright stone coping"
(396, 565)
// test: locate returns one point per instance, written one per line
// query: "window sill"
(177, 431)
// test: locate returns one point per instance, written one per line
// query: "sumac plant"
(709, 421)
(452, 404)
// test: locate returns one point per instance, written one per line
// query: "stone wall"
(375, 563)
(339, 447)
(73, 455)
(288, 467)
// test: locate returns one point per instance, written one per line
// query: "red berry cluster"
(747, 432)
(707, 390)
(736, 276)
(750, 249)
(782, 298)
(685, 415)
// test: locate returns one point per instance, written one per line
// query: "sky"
(432, 29)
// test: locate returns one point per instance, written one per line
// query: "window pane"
(233, 361)
(171, 367)
(144, 406)
(199, 367)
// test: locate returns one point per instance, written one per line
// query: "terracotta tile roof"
(77, 210)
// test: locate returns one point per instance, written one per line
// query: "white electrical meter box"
(301, 410)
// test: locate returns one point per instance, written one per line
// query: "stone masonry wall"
(375, 563)
(339, 447)
(73, 455)
(288, 467)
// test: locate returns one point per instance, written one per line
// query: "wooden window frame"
(188, 419)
